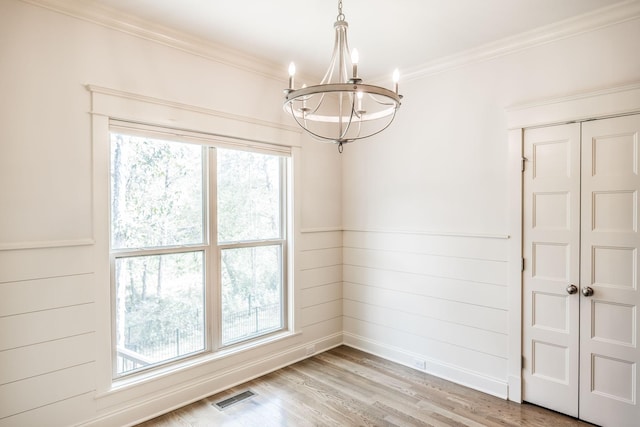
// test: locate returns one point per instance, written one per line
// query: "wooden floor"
(347, 387)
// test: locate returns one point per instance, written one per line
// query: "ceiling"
(388, 34)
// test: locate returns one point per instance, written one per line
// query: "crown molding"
(148, 30)
(111, 18)
(591, 21)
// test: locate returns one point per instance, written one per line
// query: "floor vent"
(236, 398)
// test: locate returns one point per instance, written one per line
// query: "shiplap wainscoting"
(320, 270)
(436, 302)
(48, 340)
(47, 336)
(318, 323)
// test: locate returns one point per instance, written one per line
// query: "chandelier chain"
(340, 16)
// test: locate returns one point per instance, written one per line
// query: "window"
(250, 238)
(198, 248)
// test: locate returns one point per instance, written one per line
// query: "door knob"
(572, 289)
(587, 291)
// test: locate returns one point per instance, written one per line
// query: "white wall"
(52, 332)
(423, 206)
(426, 260)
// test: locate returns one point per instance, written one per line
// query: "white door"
(609, 355)
(580, 344)
(551, 249)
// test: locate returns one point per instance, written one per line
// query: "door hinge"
(522, 264)
(523, 160)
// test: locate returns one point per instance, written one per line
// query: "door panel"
(609, 355)
(551, 248)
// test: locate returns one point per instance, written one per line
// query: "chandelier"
(341, 108)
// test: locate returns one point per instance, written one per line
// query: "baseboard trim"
(451, 373)
(184, 394)
(179, 396)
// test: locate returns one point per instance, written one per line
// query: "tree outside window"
(168, 255)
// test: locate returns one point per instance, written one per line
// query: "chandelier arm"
(348, 126)
(316, 135)
(342, 66)
(345, 70)
(310, 111)
(354, 112)
(388, 104)
(328, 75)
(303, 126)
(359, 129)
(341, 128)
(377, 100)
(319, 104)
(380, 130)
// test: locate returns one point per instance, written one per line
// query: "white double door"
(580, 281)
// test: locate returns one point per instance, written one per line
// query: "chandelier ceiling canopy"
(341, 108)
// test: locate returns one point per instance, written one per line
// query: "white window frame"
(210, 247)
(228, 130)
(282, 241)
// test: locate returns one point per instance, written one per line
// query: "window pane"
(156, 193)
(159, 308)
(248, 196)
(251, 292)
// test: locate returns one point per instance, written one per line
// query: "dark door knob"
(587, 291)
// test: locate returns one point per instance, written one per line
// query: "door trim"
(609, 102)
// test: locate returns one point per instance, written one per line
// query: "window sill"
(193, 362)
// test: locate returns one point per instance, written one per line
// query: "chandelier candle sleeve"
(292, 72)
(355, 57)
(342, 108)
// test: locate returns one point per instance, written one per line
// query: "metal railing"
(249, 323)
(236, 326)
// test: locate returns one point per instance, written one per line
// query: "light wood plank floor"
(347, 387)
